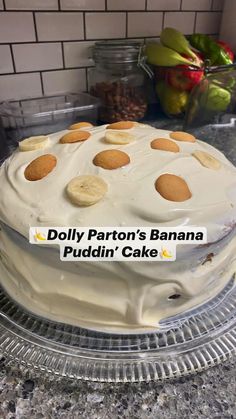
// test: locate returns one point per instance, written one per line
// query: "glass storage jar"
(118, 80)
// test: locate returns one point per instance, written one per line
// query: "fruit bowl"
(180, 64)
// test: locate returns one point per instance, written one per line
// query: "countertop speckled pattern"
(28, 394)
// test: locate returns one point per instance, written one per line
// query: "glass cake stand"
(184, 344)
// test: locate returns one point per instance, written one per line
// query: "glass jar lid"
(117, 51)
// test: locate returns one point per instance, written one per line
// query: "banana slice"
(115, 137)
(34, 143)
(86, 190)
(207, 160)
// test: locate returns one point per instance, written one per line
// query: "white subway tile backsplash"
(78, 54)
(16, 27)
(105, 25)
(19, 86)
(59, 26)
(144, 24)
(126, 5)
(82, 4)
(6, 65)
(33, 57)
(218, 4)
(163, 5)
(55, 36)
(182, 21)
(196, 4)
(208, 22)
(31, 4)
(64, 81)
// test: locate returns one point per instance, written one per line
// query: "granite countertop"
(27, 394)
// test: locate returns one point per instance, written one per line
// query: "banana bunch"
(168, 52)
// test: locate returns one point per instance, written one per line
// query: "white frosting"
(109, 295)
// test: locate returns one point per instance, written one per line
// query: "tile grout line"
(13, 59)
(180, 6)
(35, 28)
(49, 70)
(110, 11)
(63, 54)
(193, 11)
(163, 20)
(66, 41)
(41, 80)
(86, 78)
(126, 25)
(4, 4)
(59, 5)
(84, 24)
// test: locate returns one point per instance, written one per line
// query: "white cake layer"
(111, 295)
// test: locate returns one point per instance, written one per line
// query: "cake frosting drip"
(113, 295)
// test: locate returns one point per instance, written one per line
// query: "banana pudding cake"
(124, 174)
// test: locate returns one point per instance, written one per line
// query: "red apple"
(183, 77)
(227, 49)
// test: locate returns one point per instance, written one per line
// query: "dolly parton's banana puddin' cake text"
(124, 175)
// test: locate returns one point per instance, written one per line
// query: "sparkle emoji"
(39, 236)
(165, 254)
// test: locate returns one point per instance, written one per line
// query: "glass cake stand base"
(184, 344)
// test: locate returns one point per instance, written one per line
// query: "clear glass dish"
(43, 115)
(183, 345)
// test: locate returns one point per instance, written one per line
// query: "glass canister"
(118, 80)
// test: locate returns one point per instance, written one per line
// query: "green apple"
(216, 98)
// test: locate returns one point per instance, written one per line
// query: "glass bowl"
(213, 100)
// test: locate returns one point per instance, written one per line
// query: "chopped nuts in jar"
(119, 101)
